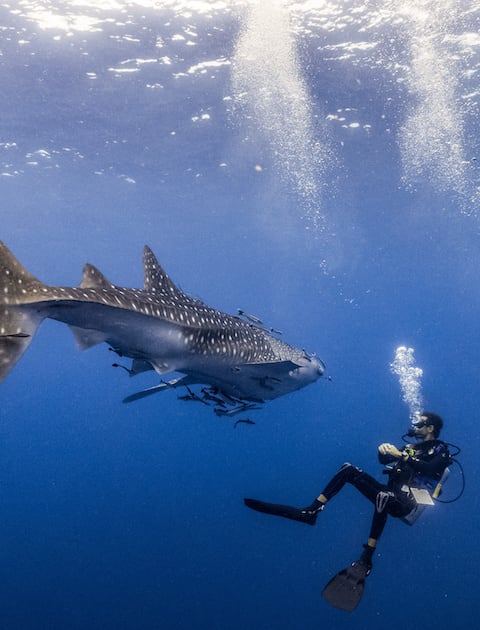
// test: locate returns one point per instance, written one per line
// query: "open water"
(315, 163)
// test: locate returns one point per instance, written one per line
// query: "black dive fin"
(287, 511)
(345, 590)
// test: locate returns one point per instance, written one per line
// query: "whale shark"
(239, 363)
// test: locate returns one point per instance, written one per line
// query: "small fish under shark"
(239, 363)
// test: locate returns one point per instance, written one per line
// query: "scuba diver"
(415, 474)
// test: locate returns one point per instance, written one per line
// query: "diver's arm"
(388, 453)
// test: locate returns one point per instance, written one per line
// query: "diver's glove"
(390, 450)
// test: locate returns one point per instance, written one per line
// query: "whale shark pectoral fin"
(173, 384)
(146, 392)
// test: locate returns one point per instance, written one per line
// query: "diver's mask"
(417, 423)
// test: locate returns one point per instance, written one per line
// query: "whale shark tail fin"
(18, 322)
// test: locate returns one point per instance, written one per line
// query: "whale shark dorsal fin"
(16, 280)
(94, 279)
(156, 279)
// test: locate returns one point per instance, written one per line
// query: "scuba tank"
(438, 488)
(426, 491)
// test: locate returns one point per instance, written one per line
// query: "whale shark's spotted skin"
(160, 328)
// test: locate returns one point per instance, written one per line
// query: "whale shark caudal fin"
(17, 326)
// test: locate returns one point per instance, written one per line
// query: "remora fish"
(159, 327)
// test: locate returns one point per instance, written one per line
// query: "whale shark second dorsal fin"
(94, 279)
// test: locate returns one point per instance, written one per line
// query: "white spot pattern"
(205, 331)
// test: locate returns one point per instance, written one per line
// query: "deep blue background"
(116, 516)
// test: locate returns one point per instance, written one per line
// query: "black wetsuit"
(426, 461)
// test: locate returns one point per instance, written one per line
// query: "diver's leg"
(346, 589)
(386, 503)
(364, 482)
(379, 521)
(370, 488)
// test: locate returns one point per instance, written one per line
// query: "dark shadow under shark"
(160, 328)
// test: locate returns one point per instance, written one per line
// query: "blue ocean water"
(314, 163)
